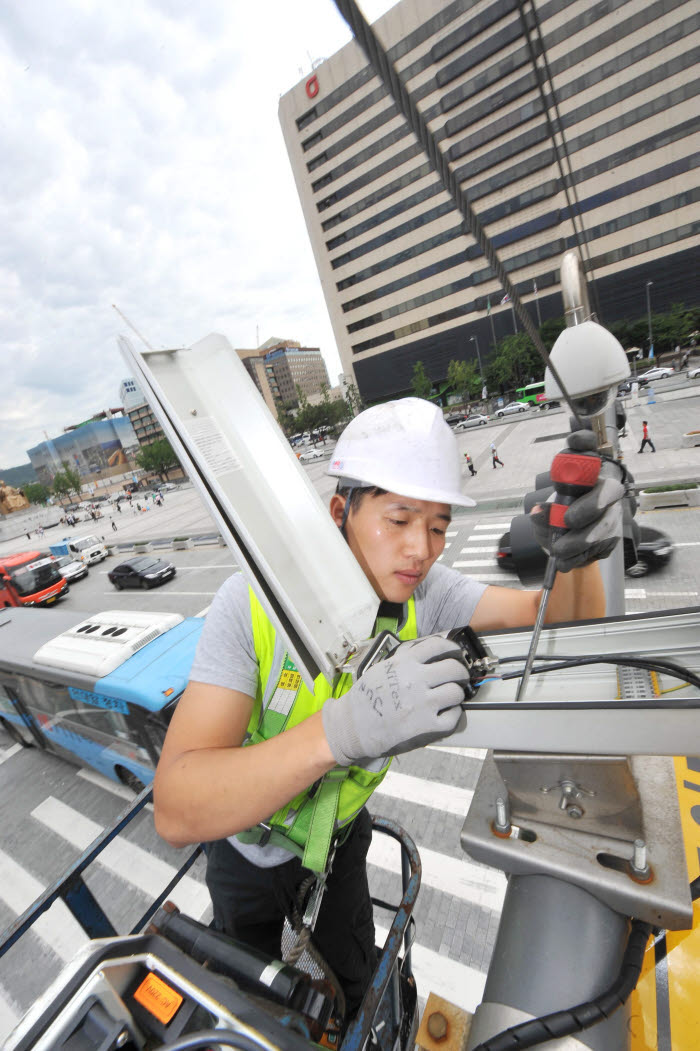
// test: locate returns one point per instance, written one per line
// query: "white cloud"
(143, 165)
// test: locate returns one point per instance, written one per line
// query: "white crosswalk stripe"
(492, 525)
(7, 753)
(126, 860)
(456, 982)
(416, 790)
(10, 1014)
(479, 550)
(478, 538)
(456, 877)
(56, 928)
(473, 562)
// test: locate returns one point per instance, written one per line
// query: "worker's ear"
(337, 508)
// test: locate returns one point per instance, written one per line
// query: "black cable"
(570, 184)
(209, 1037)
(582, 1016)
(623, 659)
(379, 60)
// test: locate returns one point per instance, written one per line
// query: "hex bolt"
(502, 823)
(640, 865)
(437, 1025)
(575, 812)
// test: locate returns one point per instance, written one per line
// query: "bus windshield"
(34, 576)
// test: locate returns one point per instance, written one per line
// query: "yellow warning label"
(289, 680)
(158, 998)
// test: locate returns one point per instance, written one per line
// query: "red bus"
(30, 578)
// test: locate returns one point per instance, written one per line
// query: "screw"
(640, 865)
(122, 1038)
(502, 823)
(574, 811)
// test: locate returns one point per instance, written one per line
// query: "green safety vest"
(306, 825)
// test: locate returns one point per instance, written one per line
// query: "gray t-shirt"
(226, 656)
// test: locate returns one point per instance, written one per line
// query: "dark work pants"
(647, 441)
(250, 904)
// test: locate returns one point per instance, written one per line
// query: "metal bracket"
(604, 864)
(598, 793)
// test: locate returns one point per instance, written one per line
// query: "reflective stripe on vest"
(311, 818)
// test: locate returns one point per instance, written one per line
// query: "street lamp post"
(473, 339)
(651, 343)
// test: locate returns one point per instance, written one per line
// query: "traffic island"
(679, 495)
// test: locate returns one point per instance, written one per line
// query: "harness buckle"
(266, 832)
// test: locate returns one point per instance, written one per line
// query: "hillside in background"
(18, 476)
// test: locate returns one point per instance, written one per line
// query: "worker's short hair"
(356, 494)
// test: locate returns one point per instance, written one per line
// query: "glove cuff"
(339, 730)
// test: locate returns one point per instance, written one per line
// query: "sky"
(143, 165)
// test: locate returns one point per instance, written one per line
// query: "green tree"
(353, 399)
(66, 482)
(464, 378)
(515, 361)
(157, 458)
(36, 492)
(421, 384)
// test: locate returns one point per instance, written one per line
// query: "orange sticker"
(158, 998)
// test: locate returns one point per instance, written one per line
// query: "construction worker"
(398, 472)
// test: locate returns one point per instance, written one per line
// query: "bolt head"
(437, 1025)
(574, 812)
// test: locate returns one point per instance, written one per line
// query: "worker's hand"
(593, 521)
(408, 700)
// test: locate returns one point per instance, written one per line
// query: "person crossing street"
(470, 465)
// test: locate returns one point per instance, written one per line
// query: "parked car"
(693, 374)
(654, 551)
(626, 387)
(512, 408)
(71, 569)
(454, 418)
(477, 420)
(166, 487)
(311, 454)
(144, 571)
(658, 372)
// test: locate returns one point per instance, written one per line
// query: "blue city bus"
(97, 690)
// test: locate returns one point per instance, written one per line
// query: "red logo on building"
(312, 86)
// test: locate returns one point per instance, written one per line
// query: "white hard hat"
(404, 447)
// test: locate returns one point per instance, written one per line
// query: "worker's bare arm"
(207, 786)
(577, 595)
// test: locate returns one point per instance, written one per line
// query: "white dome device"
(591, 363)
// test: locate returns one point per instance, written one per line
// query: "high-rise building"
(403, 280)
(279, 366)
(130, 394)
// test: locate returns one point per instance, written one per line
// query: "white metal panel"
(261, 498)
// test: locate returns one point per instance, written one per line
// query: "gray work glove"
(594, 520)
(407, 700)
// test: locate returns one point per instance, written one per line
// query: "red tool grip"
(556, 515)
(575, 469)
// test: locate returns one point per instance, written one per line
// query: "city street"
(51, 810)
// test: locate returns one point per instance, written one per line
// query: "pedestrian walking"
(119, 506)
(646, 440)
(470, 465)
(494, 456)
(114, 526)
